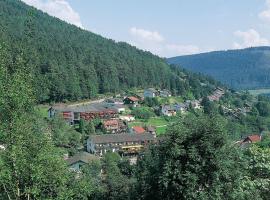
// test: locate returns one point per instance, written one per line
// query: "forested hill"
(71, 63)
(241, 69)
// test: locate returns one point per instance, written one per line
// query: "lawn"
(155, 121)
(159, 122)
(161, 130)
(170, 100)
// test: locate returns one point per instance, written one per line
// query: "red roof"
(138, 129)
(254, 138)
(133, 99)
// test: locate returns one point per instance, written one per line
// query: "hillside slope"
(72, 63)
(241, 69)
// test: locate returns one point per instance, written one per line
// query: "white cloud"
(250, 38)
(57, 8)
(143, 34)
(265, 15)
(154, 42)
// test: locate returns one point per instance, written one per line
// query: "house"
(252, 139)
(115, 126)
(168, 110)
(152, 130)
(165, 93)
(249, 140)
(137, 130)
(111, 125)
(124, 144)
(195, 104)
(77, 161)
(181, 107)
(127, 118)
(131, 101)
(73, 114)
(217, 94)
(150, 92)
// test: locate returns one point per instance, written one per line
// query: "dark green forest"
(72, 64)
(239, 69)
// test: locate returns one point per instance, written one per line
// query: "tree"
(65, 136)
(208, 106)
(142, 113)
(256, 181)
(31, 167)
(194, 162)
(90, 128)
(118, 185)
(263, 108)
(89, 184)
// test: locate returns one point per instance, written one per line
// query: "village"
(128, 126)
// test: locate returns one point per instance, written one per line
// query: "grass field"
(159, 122)
(259, 91)
(170, 100)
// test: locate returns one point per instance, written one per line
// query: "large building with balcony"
(124, 144)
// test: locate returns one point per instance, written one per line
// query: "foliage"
(142, 113)
(71, 63)
(117, 180)
(64, 135)
(257, 180)
(195, 162)
(151, 102)
(31, 167)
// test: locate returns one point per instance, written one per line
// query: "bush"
(143, 113)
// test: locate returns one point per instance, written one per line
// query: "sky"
(169, 27)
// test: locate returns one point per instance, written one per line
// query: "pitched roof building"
(138, 129)
(252, 139)
(77, 161)
(100, 144)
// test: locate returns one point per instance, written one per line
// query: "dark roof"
(82, 156)
(113, 138)
(93, 107)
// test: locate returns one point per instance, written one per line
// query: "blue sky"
(171, 27)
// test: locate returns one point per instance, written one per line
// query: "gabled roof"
(92, 107)
(132, 98)
(138, 129)
(83, 157)
(253, 138)
(124, 137)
